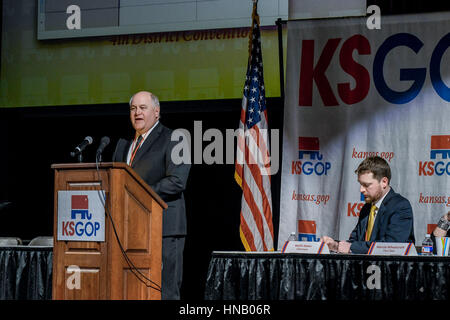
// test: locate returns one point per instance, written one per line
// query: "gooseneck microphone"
(103, 144)
(87, 141)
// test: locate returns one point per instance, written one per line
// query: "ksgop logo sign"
(81, 216)
(315, 73)
(309, 149)
(440, 150)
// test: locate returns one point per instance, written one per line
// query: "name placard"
(305, 247)
(81, 216)
(392, 249)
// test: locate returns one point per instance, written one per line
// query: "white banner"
(351, 93)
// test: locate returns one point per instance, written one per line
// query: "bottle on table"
(292, 236)
(427, 246)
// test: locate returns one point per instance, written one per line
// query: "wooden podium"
(103, 271)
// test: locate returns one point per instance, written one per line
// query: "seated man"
(386, 215)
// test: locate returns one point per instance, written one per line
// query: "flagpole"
(279, 24)
(256, 227)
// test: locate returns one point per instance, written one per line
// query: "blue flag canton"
(254, 89)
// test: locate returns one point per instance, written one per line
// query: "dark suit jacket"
(393, 223)
(154, 165)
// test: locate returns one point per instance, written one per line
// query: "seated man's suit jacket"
(393, 223)
(154, 165)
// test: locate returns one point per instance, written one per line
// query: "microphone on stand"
(103, 144)
(87, 141)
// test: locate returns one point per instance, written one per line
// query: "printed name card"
(305, 247)
(392, 249)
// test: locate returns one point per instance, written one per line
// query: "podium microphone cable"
(136, 272)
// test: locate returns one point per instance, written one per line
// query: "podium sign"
(81, 216)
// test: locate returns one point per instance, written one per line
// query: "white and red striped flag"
(252, 171)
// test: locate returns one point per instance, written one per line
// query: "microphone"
(87, 141)
(103, 143)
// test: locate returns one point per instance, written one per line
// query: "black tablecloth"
(26, 273)
(278, 276)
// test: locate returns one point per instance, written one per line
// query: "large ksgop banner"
(351, 93)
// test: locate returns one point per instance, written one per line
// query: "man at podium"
(149, 154)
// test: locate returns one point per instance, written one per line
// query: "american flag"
(252, 171)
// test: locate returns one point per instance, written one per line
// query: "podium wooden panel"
(136, 211)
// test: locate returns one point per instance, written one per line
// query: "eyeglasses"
(135, 108)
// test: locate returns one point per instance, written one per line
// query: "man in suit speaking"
(386, 215)
(149, 154)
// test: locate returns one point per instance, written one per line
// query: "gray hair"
(153, 97)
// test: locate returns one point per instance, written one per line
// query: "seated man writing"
(386, 215)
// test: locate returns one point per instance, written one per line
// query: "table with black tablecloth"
(26, 273)
(293, 276)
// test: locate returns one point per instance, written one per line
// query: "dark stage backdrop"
(32, 139)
